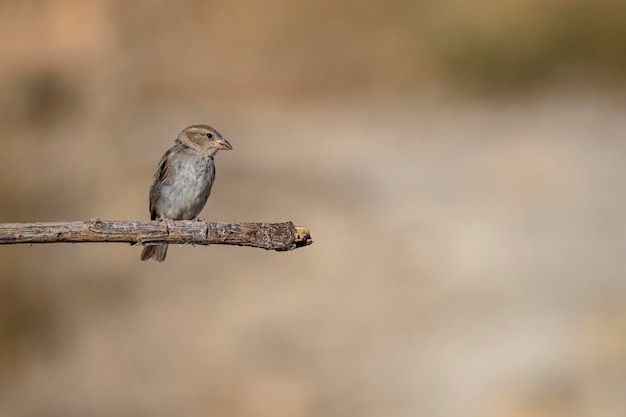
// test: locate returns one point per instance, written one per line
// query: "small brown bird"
(183, 179)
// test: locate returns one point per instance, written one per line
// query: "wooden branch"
(270, 236)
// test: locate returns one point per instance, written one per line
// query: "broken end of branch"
(302, 237)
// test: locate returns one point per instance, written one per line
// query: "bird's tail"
(156, 252)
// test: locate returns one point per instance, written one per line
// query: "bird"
(183, 179)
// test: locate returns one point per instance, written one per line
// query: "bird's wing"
(161, 172)
(159, 176)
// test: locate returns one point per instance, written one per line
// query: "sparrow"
(183, 179)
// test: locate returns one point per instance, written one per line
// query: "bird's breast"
(184, 192)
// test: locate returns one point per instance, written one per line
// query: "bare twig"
(270, 236)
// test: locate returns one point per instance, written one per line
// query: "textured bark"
(270, 236)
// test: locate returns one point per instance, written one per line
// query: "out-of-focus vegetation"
(521, 44)
(297, 50)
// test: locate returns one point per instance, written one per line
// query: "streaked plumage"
(183, 179)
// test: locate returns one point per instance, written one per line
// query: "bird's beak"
(221, 143)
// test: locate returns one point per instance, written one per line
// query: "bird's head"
(203, 138)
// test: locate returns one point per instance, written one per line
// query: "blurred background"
(461, 166)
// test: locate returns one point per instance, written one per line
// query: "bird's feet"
(169, 223)
(201, 220)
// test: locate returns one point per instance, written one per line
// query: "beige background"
(461, 166)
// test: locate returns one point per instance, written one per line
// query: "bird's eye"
(209, 135)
